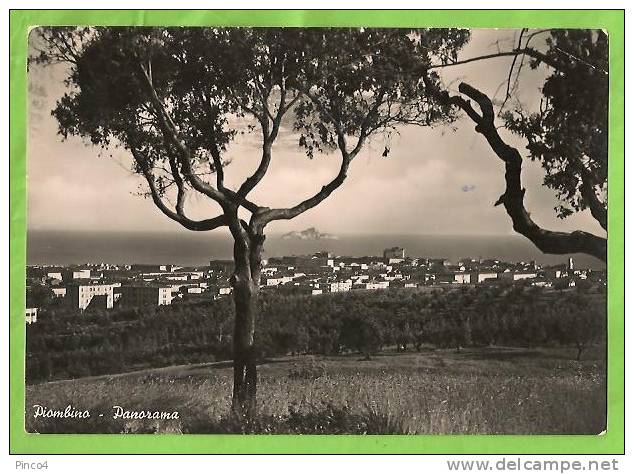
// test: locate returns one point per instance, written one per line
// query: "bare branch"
(541, 57)
(214, 149)
(293, 101)
(242, 201)
(596, 206)
(500, 54)
(178, 215)
(178, 179)
(268, 139)
(252, 181)
(511, 69)
(367, 121)
(346, 158)
(291, 212)
(513, 198)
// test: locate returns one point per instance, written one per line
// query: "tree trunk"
(244, 361)
(246, 284)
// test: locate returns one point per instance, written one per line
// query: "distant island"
(309, 234)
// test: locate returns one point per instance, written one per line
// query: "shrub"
(310, 369)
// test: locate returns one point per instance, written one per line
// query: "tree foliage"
(137, 87)
(569, 133)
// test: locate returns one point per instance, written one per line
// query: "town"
(106, 286)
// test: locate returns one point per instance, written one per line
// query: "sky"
(435, 181)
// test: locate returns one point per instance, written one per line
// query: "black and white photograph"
(310, 230)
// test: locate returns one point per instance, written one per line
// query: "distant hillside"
(309, 234)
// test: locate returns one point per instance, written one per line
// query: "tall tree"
(568, 135)
(174, 98)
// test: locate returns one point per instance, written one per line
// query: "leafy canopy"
(569, 134)
(331, 84)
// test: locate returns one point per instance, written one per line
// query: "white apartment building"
(80, 274)
(339, 286)
(278, 281)
(462, 278)
(482, 276)
(516, 276)
(31, 315)
(176, 277)
(377, 285)
(396, 276)
(80, 295)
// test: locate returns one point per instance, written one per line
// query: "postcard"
(335, 232)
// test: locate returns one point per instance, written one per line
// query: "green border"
(610, 443)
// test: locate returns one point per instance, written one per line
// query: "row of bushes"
(64, 344)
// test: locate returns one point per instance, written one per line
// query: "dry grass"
(442, 392)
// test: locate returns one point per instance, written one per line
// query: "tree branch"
(178, 216)
(170, 133)
(268, 137)
(291, 212)
(596, 206)
(511, 69)
(513, 198)
(178, 179)
(367, 121)
(346, 158)
(539, 56)
(214, 149)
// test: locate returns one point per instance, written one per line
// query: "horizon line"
(276, 232)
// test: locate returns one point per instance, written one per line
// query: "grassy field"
(488, 391)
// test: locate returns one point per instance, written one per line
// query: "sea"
(46, 247)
